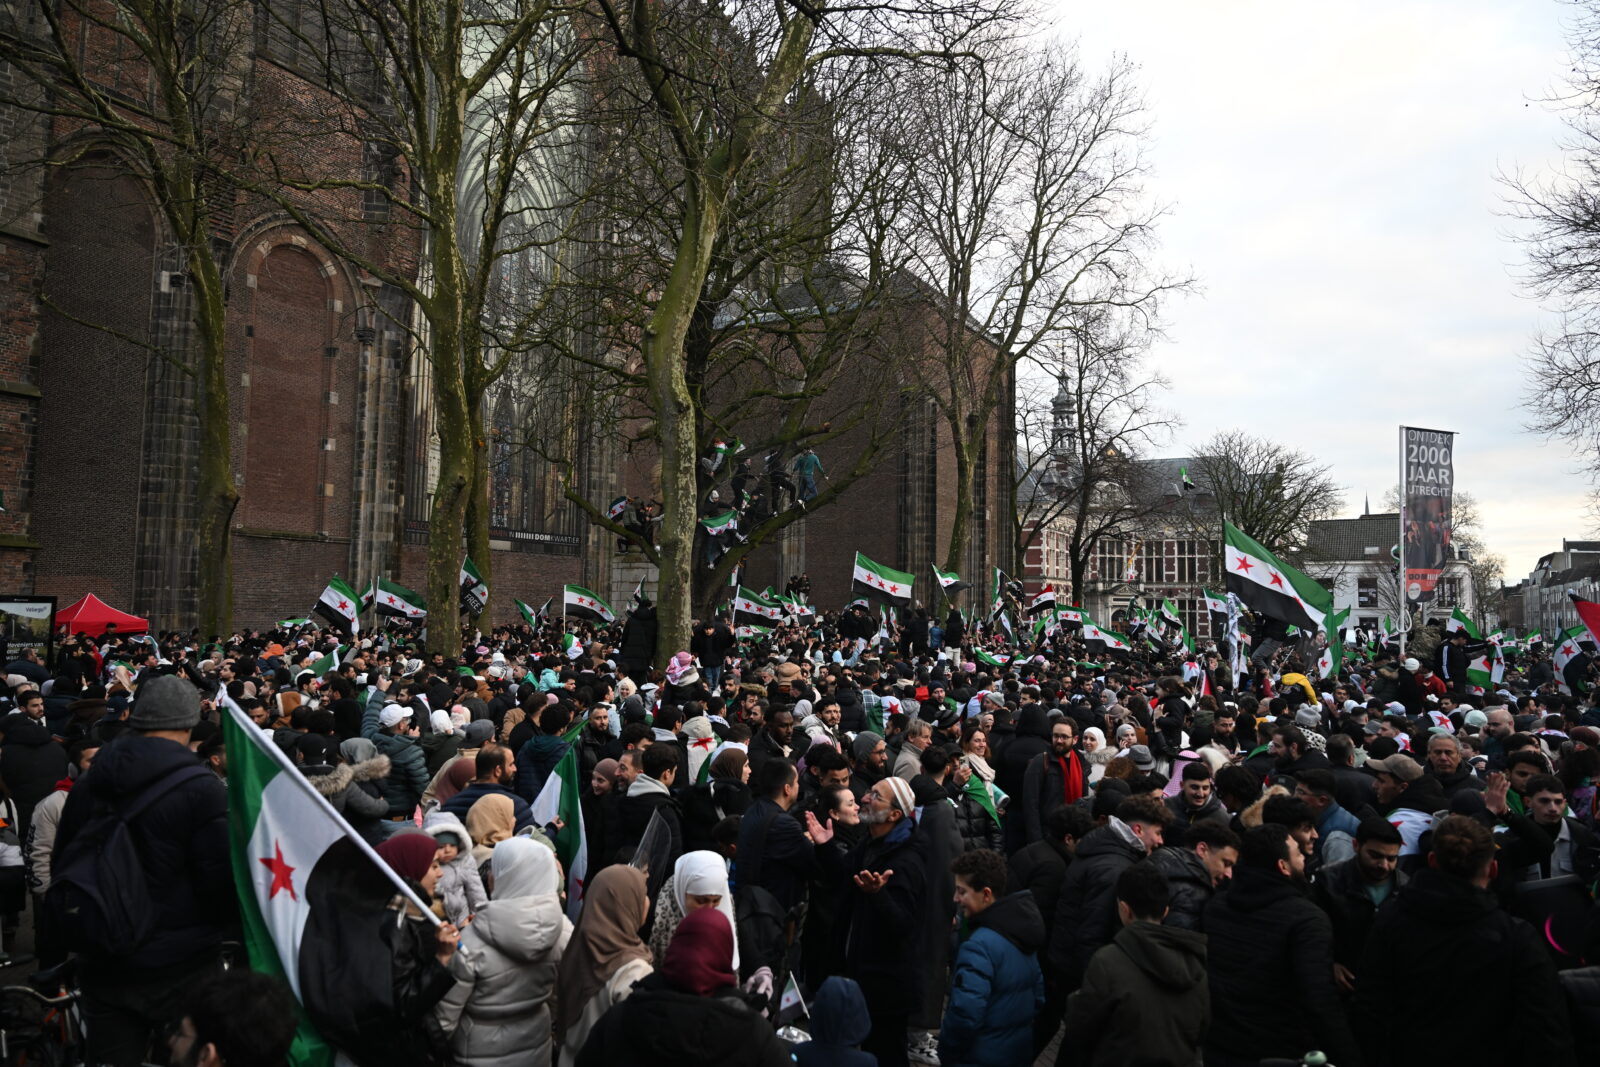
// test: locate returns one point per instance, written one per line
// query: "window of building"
(1366, 592)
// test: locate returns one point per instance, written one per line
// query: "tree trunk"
(477, 514)
(215, 490)
(953, 559)
(448, 515)
(675, 425)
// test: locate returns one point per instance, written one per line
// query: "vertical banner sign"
(1428, 470)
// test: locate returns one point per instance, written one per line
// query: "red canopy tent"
(91, 615)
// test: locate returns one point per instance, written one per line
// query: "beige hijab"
(607, 937)
(490, 820)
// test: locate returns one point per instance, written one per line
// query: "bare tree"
(1029, 211)
(1109, 422)
(467, 122)
(720, 110)
(1562, 242)
(1271, 492)
(159, 86)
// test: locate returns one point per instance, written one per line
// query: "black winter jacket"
(30, 762)
(881, 931)
(1270, 960)
(1450, 938)
(1086, 912)
(658, 1026)
(1040, 869)
(977, 827)
(1033, 737)
(1189, 884)
(1144, 1000)
(1341, 893)
(638, 648)
(182, 839)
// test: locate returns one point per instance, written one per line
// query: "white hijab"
(523, 868)
(704, 874)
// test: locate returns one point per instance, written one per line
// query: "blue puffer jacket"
(408, 767)
(997, 989)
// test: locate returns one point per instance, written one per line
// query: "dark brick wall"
(88, 453)
(528, 576)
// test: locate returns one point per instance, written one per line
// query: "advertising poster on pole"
(1427, 464)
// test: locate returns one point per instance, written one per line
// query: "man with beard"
(885, 879)
(237, 1019)
(772, 740)
(1353, 890)
(1270, 961)
(1223, 732)
(1053, 779)
(595, 743)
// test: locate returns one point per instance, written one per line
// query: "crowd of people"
(917, 852)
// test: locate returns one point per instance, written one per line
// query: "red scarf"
(1071, 777)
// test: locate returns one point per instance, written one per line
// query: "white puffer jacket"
(498, 1013)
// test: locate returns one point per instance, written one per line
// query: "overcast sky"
(1331, 172)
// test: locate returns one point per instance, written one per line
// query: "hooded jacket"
(1086, 915)
(182, 838)
(1270, 963)
(1341, 892)
(497, 1013)
(1189, 884)
(1448, 937)
(342, 786)
(1032, 738)
(1040, 869)
(1145, 999)
(839, 1023)
(997, 987)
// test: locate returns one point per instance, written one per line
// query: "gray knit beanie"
(165, 702)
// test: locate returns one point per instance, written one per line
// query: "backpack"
(99, 899)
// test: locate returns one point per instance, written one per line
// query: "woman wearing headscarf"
(605, 957)
(498, 1013)
(422, 951)
(688, 1014)
(699, 880)
(1096, 753)
(491, 819)
(602, 812)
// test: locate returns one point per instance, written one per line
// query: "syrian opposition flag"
(1044, 600)
(1216, 603)
(1588, 613)
(576, 600)
(341, 607)
(791, 1005)
(949, 582)
(720, 524)
(302, 877)
(395, 599)
(330, 662)
(985, 658)
(1488, 667)
(751, 630)
(1073, 614)
(1113, 641)
(753, 609)
(795, 607)
(1460, 623)
(989, 797)
(529, 616)
(1332, 659)
(292, 624)
(474, 590)
(997, 598)
(559, 799)
(1269, 586)
(1567, 650)
(884, 585)
(617, 507)
(367, 594)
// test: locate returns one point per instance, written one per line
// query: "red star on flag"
(1277, 579)
(1244, 565)
(894, 589)
(390, 598)
(280, 872)
(343, 606)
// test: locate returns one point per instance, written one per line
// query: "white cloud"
(1332, 176)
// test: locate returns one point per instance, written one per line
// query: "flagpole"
(1405, 614)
